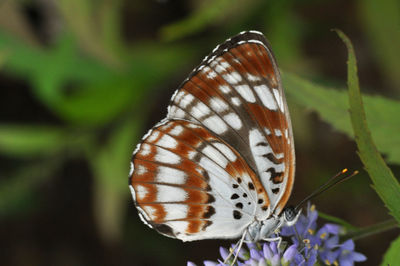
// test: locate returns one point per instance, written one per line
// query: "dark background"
(82, 81)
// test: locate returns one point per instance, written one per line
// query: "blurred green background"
(82, 80)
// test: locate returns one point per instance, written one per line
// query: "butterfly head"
(290, 215)
(262, 230)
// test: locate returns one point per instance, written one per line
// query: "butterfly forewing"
(236, 93)
(224, 155)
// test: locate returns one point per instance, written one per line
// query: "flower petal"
(290, 253)
(210, 263)
(274, 247)
(276, 260)
(223, 252)
(331, 242)
(348, 245)
(267, 251)
(332, 228)
(254, 254)
(359, 257)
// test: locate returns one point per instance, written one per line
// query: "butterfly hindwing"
(189, 184)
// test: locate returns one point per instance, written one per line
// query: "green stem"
(373, 229)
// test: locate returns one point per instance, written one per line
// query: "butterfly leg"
(237, 247)
(273, 239)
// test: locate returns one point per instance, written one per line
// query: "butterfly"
(221, 164)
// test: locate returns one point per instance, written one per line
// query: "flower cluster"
(307, 245)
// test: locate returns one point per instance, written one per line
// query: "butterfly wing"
(236, 93)
(224, 155)
(189, 184)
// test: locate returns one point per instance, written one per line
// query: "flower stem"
(372, 230)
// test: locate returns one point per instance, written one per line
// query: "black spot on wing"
(275, 190)
(211, 198)
(210, 212)
(262, 144)
(276, 177)
(237, 215)
(164, 229)
(251, 186)
(207, 224)
(271, 157)
(234, 196)
(239, 205)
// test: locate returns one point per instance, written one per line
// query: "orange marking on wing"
(182, 149)
(158, 212)
(196, 211)
(151, 192)
(185, 140)
(204, 88)
(272, 122)
(211, 85)
(154, 139)
(195, 226)
(149, 155)
(239, 62)
(265, 117)
(196, 196)
(266, 60)
(203, 134)
(145, 177)
(196, 91)
(195, 181)
(145, 174)
(251, 61)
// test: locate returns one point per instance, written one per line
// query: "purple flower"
(269, 254)
(307, 246)
(347, 255)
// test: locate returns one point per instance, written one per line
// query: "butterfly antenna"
(334, 180)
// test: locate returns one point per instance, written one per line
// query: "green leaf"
(98, 94)
(99, 102)
(332, 105)
(48, 70)
(392, 255)
(385, 184)
(110, 164)
(36, 141)
(381, 24)
(30, 141)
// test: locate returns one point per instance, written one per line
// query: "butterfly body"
(221, 164)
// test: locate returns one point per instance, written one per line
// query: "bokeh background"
(82, 80)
